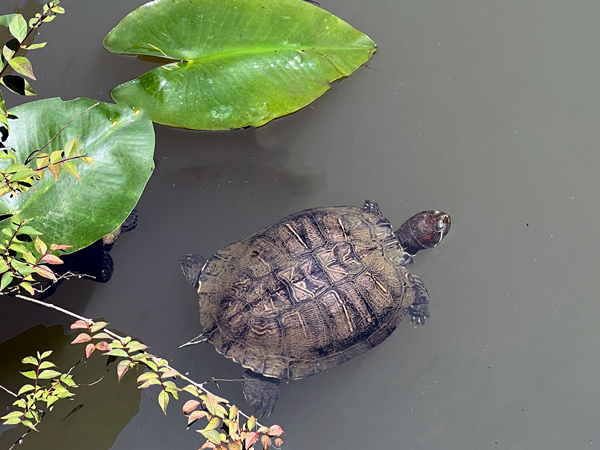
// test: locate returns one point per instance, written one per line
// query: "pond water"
(486, 110)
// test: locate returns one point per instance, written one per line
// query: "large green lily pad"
(78, 212)
(239, 62)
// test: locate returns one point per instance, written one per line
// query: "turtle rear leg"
(372, 206)
(260, 392)
(419, 310)
(192, 265)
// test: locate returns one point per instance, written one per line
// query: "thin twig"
(9, 391)
(121, 339)
(67, 124)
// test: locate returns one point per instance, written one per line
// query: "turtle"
(311, 291)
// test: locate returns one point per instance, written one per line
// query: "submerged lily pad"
(237, 62)
(78, 212)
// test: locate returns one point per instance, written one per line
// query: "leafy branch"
(224, 429)
(18, 263)
(29, 413)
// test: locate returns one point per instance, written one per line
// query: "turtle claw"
(260, 392)
(372, 206)
(419, 310)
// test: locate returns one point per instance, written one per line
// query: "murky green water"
(486, 110)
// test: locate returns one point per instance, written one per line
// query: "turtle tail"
(192, 266)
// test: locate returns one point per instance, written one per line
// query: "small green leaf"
(18, 248)
(135, 346)
(212, 435)
(98, 326)
(48, 374)
(25, 388)
(163, 401)
(20, 403)
(25, 285)
(46, 364)
(117, 352)
(147, 376)
(213, 424)
(18, 27)
(46, 354)
(29, 374)
(8, 54)
(22, 65)
(12, 414)
(251, 422)
(102, 336)
(40, 246)
(34, 46)
(12, 421)
(233, 412)
(6, 280)
(29, 360)
(29, 424)
(149, 383)
(71, 147)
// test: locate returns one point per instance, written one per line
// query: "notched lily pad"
(79, 212)
(237, 62)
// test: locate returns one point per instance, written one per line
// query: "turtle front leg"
(260, 392)
(372, 206)
(419, 310)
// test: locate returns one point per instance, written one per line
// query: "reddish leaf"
(79, 324)
(55, 169)
(103, 346)
(275, 430)
(122, 368)
(59, 247)
(89, 349)
(170, 373)
(207, 444)
(51, 259)
(83, 337)
(251, 438)
(196, 415)
(278, 442)
(190, 405)
(45, 272)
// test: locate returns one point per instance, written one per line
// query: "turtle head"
(423, 230)
(192, 266)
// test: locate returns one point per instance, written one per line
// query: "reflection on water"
(93, 418)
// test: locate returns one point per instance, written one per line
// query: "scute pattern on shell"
(307, 293)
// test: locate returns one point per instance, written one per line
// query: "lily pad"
(237, 62)
(78, 212)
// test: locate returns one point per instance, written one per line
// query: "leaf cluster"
(20, 31)
(18, 177)
(223, 431)
(27, 411)
(18, 263)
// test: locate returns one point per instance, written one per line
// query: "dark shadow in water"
(108, 406)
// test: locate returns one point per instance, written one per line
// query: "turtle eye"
(443, 222)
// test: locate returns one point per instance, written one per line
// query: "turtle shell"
(307, 293)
